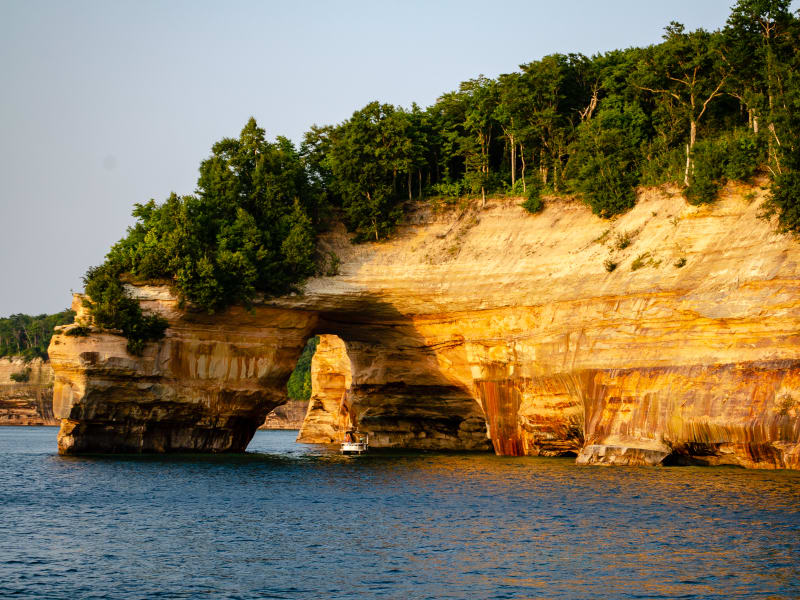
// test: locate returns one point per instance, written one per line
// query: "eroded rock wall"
(206, 387)
(391, 392)
(29, 402)
(286, 416)
(492, 319)
(328, 416)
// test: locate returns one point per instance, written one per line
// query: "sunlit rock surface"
(29, 402)
(328, 416)
(399, 403)
(286, 416)
(492, 321)
(207, 387)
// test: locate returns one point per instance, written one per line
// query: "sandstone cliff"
(286, 416)
(492, 321)
(328, 415)
(29, 402)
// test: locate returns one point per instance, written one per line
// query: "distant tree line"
(697, 109)
(28, 337)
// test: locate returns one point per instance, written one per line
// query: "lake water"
(288, 520)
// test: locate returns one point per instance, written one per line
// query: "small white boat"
(355, 443)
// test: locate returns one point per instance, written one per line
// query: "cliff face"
(404, 413)
(286, 416)
(493, 321)
(207, 387)
(29, 402)
(328, 415)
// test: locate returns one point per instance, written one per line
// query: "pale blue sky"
(107, 103)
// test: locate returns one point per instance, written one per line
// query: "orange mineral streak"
(488, 321)
(501, 401)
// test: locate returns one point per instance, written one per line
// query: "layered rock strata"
(28, 402)
(206, 387)
(492, 322)
(329, 413)
(286, 416)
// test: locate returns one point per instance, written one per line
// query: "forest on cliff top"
(697, 109)
(27, 336)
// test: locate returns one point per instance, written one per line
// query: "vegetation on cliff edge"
(698, 109)
(299, 384)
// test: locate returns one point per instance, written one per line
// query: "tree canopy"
(299, 385)
(696, 109)
(246, 231)
(28, 336)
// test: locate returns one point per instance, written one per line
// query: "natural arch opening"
(298, 392)
(212, 382)
(391, 392)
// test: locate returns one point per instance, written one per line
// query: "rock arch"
(500, 317)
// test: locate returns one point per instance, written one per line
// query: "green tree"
(365, 157)
(687, 71)
(757, 39)
(603, 167)
(246, 231)
(299, 385)
(29, 336)
(554, 90)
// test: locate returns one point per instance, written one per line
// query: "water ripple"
(294, 521)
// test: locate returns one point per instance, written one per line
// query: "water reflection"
(294, 521)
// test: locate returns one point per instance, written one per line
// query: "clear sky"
(107, 103)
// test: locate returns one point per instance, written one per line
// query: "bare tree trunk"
(586, 113)
(556, 163)
(513, 161)
(419, 184)
(410, 197)
(775, 152)
(688, 164)
(27, 335)
(522, 157)
(689, 146)
(374, 221)
(542, 168)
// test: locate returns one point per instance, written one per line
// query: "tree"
(29, 336)
(687, 69)
(603, 167)
(755, 37)
(299, 385)
(365, 156)
(247, 230)
(785, 190)
(554, 91)
(507, 114)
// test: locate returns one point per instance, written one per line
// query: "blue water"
(293, 521)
